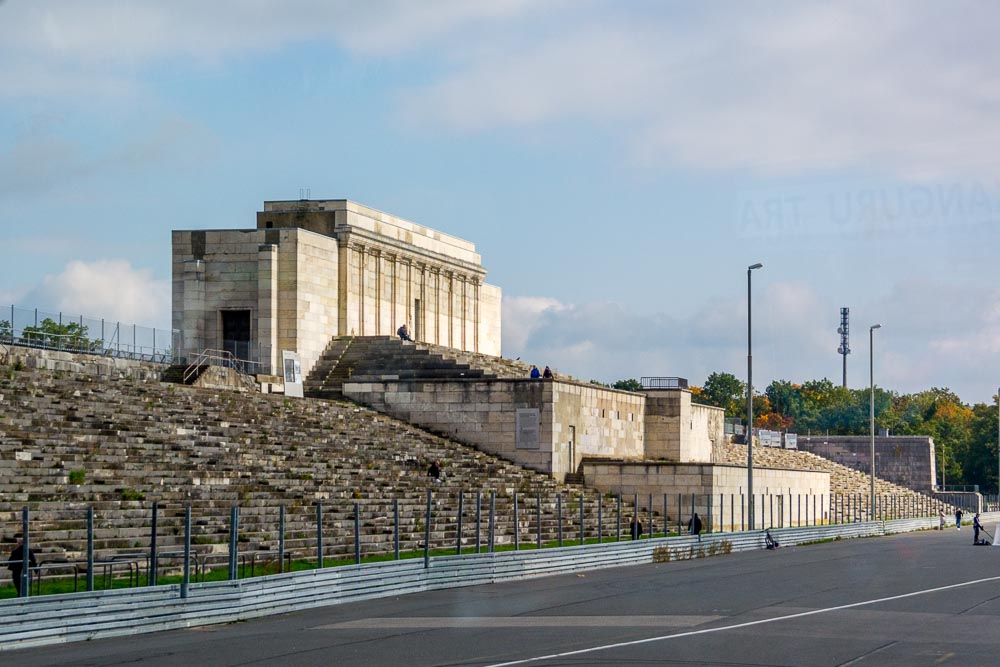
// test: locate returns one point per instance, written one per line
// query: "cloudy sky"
(617, 164)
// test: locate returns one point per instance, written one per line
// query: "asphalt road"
(785, 607)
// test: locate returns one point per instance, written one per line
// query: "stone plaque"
(527, 428)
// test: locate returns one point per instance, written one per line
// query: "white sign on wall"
(527, 428)
(291, 366)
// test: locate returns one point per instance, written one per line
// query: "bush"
(77, 477)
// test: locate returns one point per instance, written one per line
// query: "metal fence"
(31, 327)
(88, 616)
(258, 539)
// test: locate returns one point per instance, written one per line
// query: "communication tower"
(845, 338)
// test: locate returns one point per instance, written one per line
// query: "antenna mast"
(845, 336)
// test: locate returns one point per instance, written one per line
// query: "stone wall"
(901, 459)
(678, 430)
(86, 364)
(705, 482)
(548, 426)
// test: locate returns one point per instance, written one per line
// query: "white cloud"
(908, 88)
(106, 289)
(901, 87)
(794, 338)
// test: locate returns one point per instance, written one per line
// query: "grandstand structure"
(344, 470)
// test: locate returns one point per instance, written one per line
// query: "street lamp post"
(998, 447)
(871, 413)
(748, 431)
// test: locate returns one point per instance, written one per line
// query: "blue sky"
(617, 164)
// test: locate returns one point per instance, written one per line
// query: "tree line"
(965, 436)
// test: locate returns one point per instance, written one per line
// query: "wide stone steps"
(69, 441)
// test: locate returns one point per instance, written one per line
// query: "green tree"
(723, 390)
(70, 336)
(630, 384)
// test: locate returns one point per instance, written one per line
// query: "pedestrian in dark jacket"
(694, 526)
(958, 518)
(976, 527)
(16, 564)
(635, 528)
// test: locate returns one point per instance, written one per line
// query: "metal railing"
(663, 383)
(349, 532)
(58, 331)
(222, 358)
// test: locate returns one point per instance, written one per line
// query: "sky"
(618, 165)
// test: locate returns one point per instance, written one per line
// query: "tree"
(723, 390)
(71, 336)
(630, 384)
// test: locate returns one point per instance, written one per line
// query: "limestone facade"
(316, 269)
(679, 430)
(545, 425)
(906, 460)
(717, 491)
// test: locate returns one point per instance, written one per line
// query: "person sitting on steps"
(403, 332)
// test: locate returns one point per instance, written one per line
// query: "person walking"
(958, 518)
(694, 526)
(16, 563)
(941, 519)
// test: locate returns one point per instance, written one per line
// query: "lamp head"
(875, 326)
(754, 266)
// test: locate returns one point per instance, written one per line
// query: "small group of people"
(535, 373)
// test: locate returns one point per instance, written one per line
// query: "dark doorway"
(236, 333)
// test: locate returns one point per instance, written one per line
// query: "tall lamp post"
(748, 431)
(871, 413)
(998, 447)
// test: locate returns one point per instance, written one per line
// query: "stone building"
(315, 269)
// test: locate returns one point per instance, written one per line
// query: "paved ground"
(796, 606)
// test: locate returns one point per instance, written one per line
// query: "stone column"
(194, 307)
(377, 261)
(360, 249)
(476, 283)
(267, 305)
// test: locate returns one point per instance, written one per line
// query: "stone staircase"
(388, 357)
(843, 480)
(68, 441)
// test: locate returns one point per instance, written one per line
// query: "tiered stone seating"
(843, 480)
(68, 441)
(388, 357)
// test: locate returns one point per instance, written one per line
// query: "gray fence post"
(25, 550)
(479, 518)
(90, 548)
(635, 517)
(666, 521)
(281, 539)
(517, 526)
(458, 539)
(538, 517)
(395, 527)
(186, 580)
(583, 532)
(319, 536)
(618, 520)
(559, 519)
(600, 518)
(493, 521)
(357, 533)
(152, 546)
(427, 533)
(233, 531)
(650, 508)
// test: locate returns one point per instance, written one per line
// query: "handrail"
(226, 359)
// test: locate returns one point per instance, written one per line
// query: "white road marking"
(677, 621)
(742, 625)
